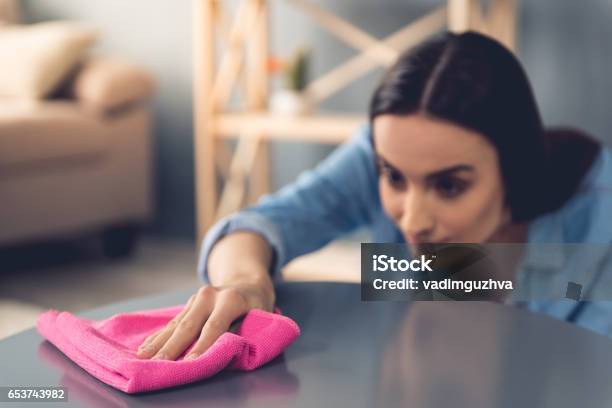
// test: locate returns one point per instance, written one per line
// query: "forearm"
(242, 258)
(335, 198)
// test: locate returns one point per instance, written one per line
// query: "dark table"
(358, 354)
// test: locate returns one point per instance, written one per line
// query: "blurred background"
(97, 131)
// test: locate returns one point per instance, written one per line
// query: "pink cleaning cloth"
(107, 348)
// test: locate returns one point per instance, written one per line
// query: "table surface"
(364, 354)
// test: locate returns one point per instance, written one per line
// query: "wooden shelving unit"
(230, 55)
(319, 128)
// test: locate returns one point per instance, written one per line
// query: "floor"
(74, 276)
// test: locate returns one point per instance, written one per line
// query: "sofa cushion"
(37, 57)
(105, 84)
(38, 132)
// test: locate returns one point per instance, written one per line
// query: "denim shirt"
(340, 195)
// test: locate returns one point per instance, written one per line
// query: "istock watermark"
(490, 271)
(382, 263)
(453, 272)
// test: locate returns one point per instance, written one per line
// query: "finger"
(176, 318)
(153, 343)
(228, 308)
(189, 327)
(171, 323)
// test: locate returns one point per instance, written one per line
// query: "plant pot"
(289, 102)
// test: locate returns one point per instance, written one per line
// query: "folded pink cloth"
(107, 348)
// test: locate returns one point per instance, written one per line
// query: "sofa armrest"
(105, 84)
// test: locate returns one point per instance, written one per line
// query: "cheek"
(390, 199)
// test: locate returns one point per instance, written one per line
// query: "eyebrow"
(439, 173)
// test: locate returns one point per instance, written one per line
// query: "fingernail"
(143, 350)
(191, 357)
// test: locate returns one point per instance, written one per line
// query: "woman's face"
(439, 182)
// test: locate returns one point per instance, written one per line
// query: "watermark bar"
(491, 271)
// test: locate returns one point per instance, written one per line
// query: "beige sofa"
(81, 162)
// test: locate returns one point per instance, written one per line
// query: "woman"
(455, 151)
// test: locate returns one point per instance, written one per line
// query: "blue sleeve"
(333, 199)
(595, 311)
(596, 315)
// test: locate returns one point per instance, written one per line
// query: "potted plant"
(291, 98)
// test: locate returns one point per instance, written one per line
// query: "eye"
(391, 175)
(450, 187)
(394, 177)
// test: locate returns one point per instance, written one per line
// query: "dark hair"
(472, 80)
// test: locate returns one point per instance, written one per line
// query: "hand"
(208, 314)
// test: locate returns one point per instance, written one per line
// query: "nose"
(416, 221)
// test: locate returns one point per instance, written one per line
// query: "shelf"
(232, 50)
(320, 128)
